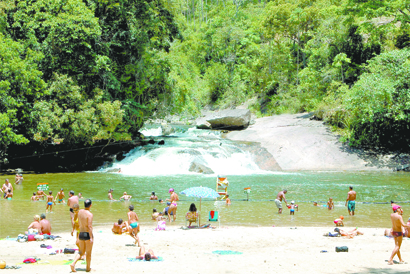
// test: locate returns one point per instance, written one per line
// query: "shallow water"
(374, 192)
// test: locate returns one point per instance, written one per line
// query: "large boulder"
(232, 119)
(200, 168)
(202, 123)
(167, 129)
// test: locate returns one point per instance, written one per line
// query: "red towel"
(29, 261)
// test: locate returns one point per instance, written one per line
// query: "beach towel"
(160, 259)
(226, 252)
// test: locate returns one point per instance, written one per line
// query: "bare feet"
(88, 270)
(402, 262)
(72, 268)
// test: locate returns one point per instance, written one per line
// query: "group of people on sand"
(39, 226)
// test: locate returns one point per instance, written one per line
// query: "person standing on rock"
(351, 201)
(278, 200)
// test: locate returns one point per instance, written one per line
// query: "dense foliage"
(84, 71)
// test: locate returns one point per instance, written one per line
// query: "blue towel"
(160, 259)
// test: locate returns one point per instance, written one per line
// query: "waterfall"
(187, 151)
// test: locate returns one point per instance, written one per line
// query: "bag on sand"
(69, 251)
(342, 249)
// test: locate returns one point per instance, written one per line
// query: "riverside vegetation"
(75, 71)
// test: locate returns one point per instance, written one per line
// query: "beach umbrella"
(200, 192)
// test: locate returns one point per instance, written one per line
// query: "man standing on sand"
(173, 207)
(351, 201)
(86, 237)
(71, 202)
(45, 225)
(278, 200)
(397, 232)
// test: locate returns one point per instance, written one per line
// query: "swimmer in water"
(9, 195)
(34, 198)
(60, 196)
(50, 201)
(330, 204)
(125, 197)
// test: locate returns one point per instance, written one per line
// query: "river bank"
(228, 249)
(297, 142)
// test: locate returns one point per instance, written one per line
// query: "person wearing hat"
(173, 207)
(397, 232)
(153, 196)
(167, 209)
(339, 221)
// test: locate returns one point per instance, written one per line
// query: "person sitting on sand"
(349, 234)
(192, 215)
(45, 225)
(34, 198)
(161, 225)
(35, 227)
(50, 201)
(125, 197)
(339, 222)
(133, 227)
(120, 227)
(330, 204)
(9, 195)
(153, 196)
(147, 256)
(60, 196)
(155, 214)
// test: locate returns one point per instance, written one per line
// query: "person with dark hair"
(34, 198)
(147, 256)
(72, 200)
(133, 227)
(85, 237)
(351, 201)
(5, 188)
(349, 234)
(110, 194)
(120, 227)
(278, 200)
(9, 195)
(60, 195)
(155, 214)
(153, 196)
(192, 215)
(45, 225)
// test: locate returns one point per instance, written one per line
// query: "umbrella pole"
(200, 202)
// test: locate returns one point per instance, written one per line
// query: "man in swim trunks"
(71, 202)
(60, 196)
(6, 186)
(173, 207)
(41, 194)
(147, 256)
(133, 228)
(85, 237)
(397, 232)
(45, 225)
(278, 200)
(351, 201)
(50, 201)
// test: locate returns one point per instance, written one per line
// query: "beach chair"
(214, 217)
(193, 218)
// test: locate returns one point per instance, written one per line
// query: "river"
(157, 168)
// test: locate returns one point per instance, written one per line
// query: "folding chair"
(187, 219)
(214, 217)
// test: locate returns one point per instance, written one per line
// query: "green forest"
(85, 71)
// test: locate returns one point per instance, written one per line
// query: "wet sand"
(260, 250)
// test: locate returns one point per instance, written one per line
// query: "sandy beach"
(245, 250)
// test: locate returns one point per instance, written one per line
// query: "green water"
(372, 189)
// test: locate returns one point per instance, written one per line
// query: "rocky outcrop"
(167, 129)
(200, 168)
(202, 123)
(231, 119)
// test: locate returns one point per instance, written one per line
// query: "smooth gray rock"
(202, 123)
(232, 119)
(167, 129)
(200, 168)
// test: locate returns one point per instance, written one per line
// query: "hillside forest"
(86, 71)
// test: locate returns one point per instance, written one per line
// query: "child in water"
(50, 201)
(330, 204)
(292, 208)
(339, 222)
